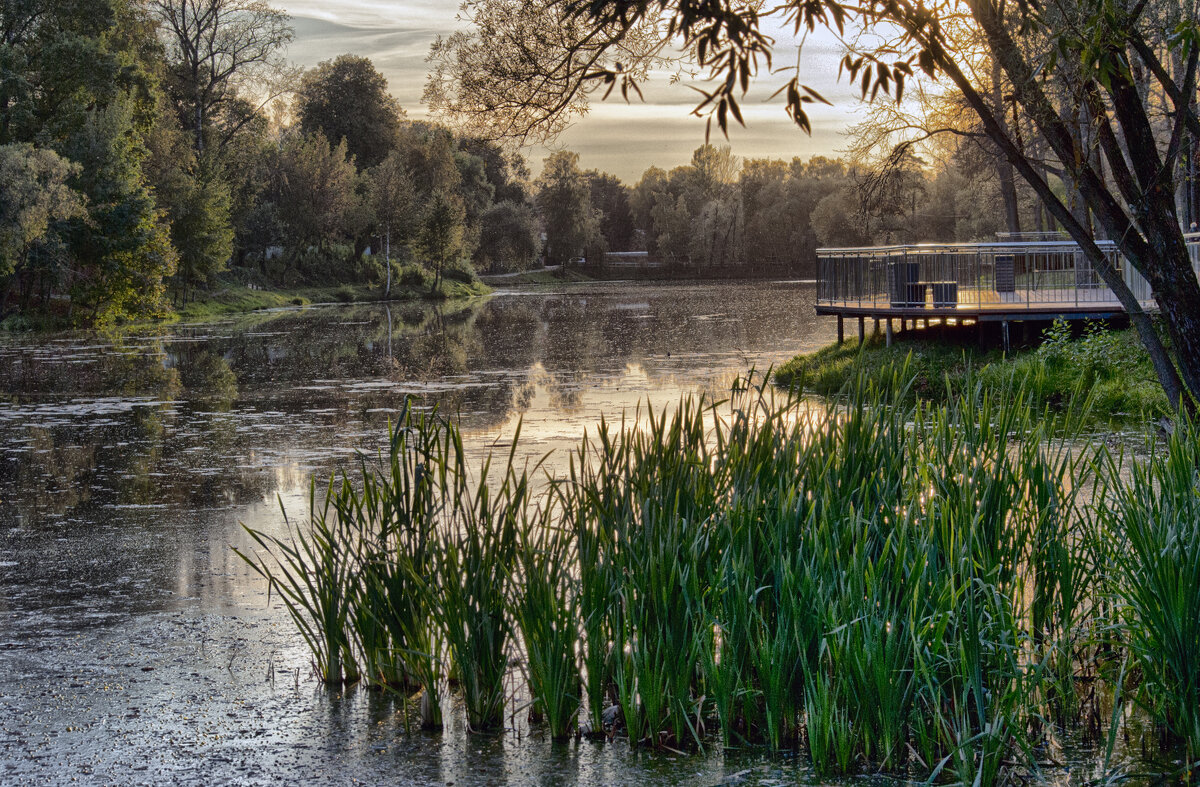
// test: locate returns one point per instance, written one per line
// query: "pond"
(136, 647)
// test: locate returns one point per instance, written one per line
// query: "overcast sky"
(616, 137)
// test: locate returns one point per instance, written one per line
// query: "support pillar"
(1004, 336)
(862, 328)
(841, 330)
(888, 329)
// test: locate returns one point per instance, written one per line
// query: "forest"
(151, 150)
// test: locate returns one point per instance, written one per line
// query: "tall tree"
(347, 98)
(611, 197)
(218, 52)
(508, 238)
(565, 204)
(314, 191)
(122, 253)
(198, 209)
(392, 206)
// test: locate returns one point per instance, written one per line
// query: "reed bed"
(931, 591)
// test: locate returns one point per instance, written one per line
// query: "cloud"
(617, 137)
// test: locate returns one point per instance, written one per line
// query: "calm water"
(136, 647)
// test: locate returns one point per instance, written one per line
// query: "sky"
(617, 137)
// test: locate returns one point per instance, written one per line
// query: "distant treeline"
(149, 148)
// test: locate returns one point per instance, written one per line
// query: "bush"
(344, 294)
(413, 276)
(16, 323)
(459, 272)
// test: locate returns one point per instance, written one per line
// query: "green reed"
(314, 572)
(1152, 527)
(900, 587)
(546, 610)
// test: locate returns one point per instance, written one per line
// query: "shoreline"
(229, 298)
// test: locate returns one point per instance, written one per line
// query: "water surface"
(136, 647)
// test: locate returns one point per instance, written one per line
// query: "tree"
(778, 202)
(838, 219)
(508, 238)
(122, 253)
(346, 98)
(314, 191)
(440, 236)
(611, 197)
(390, 196)
(1108, 56)
(34, 198)
(506, 171)
(565, 204)
(198, 209)
(522, 71)
(60, 58)
(218, 50)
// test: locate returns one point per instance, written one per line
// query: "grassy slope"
(1110, 364)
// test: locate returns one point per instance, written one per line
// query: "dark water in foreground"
(135, 647)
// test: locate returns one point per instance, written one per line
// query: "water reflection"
(202, 416)
(128, 462)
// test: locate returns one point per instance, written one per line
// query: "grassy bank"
(224, 297)
(538, 276)
(885, 586)
(232, 298)
(1110, 364)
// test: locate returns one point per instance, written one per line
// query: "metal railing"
(975, 276)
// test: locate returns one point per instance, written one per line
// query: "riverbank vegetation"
(158, 153)
(138, 181)
(882, 584)
(1069, 363)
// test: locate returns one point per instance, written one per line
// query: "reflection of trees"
(208, 379)
(203, 419)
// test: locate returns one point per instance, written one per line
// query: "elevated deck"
(1004, 282)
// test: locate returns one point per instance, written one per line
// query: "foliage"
(346, 98)
(571, 224)
(1111, 365)
(508, 238)
(34, 200)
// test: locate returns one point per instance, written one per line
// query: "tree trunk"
(1058, 134)
(1004, 168)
